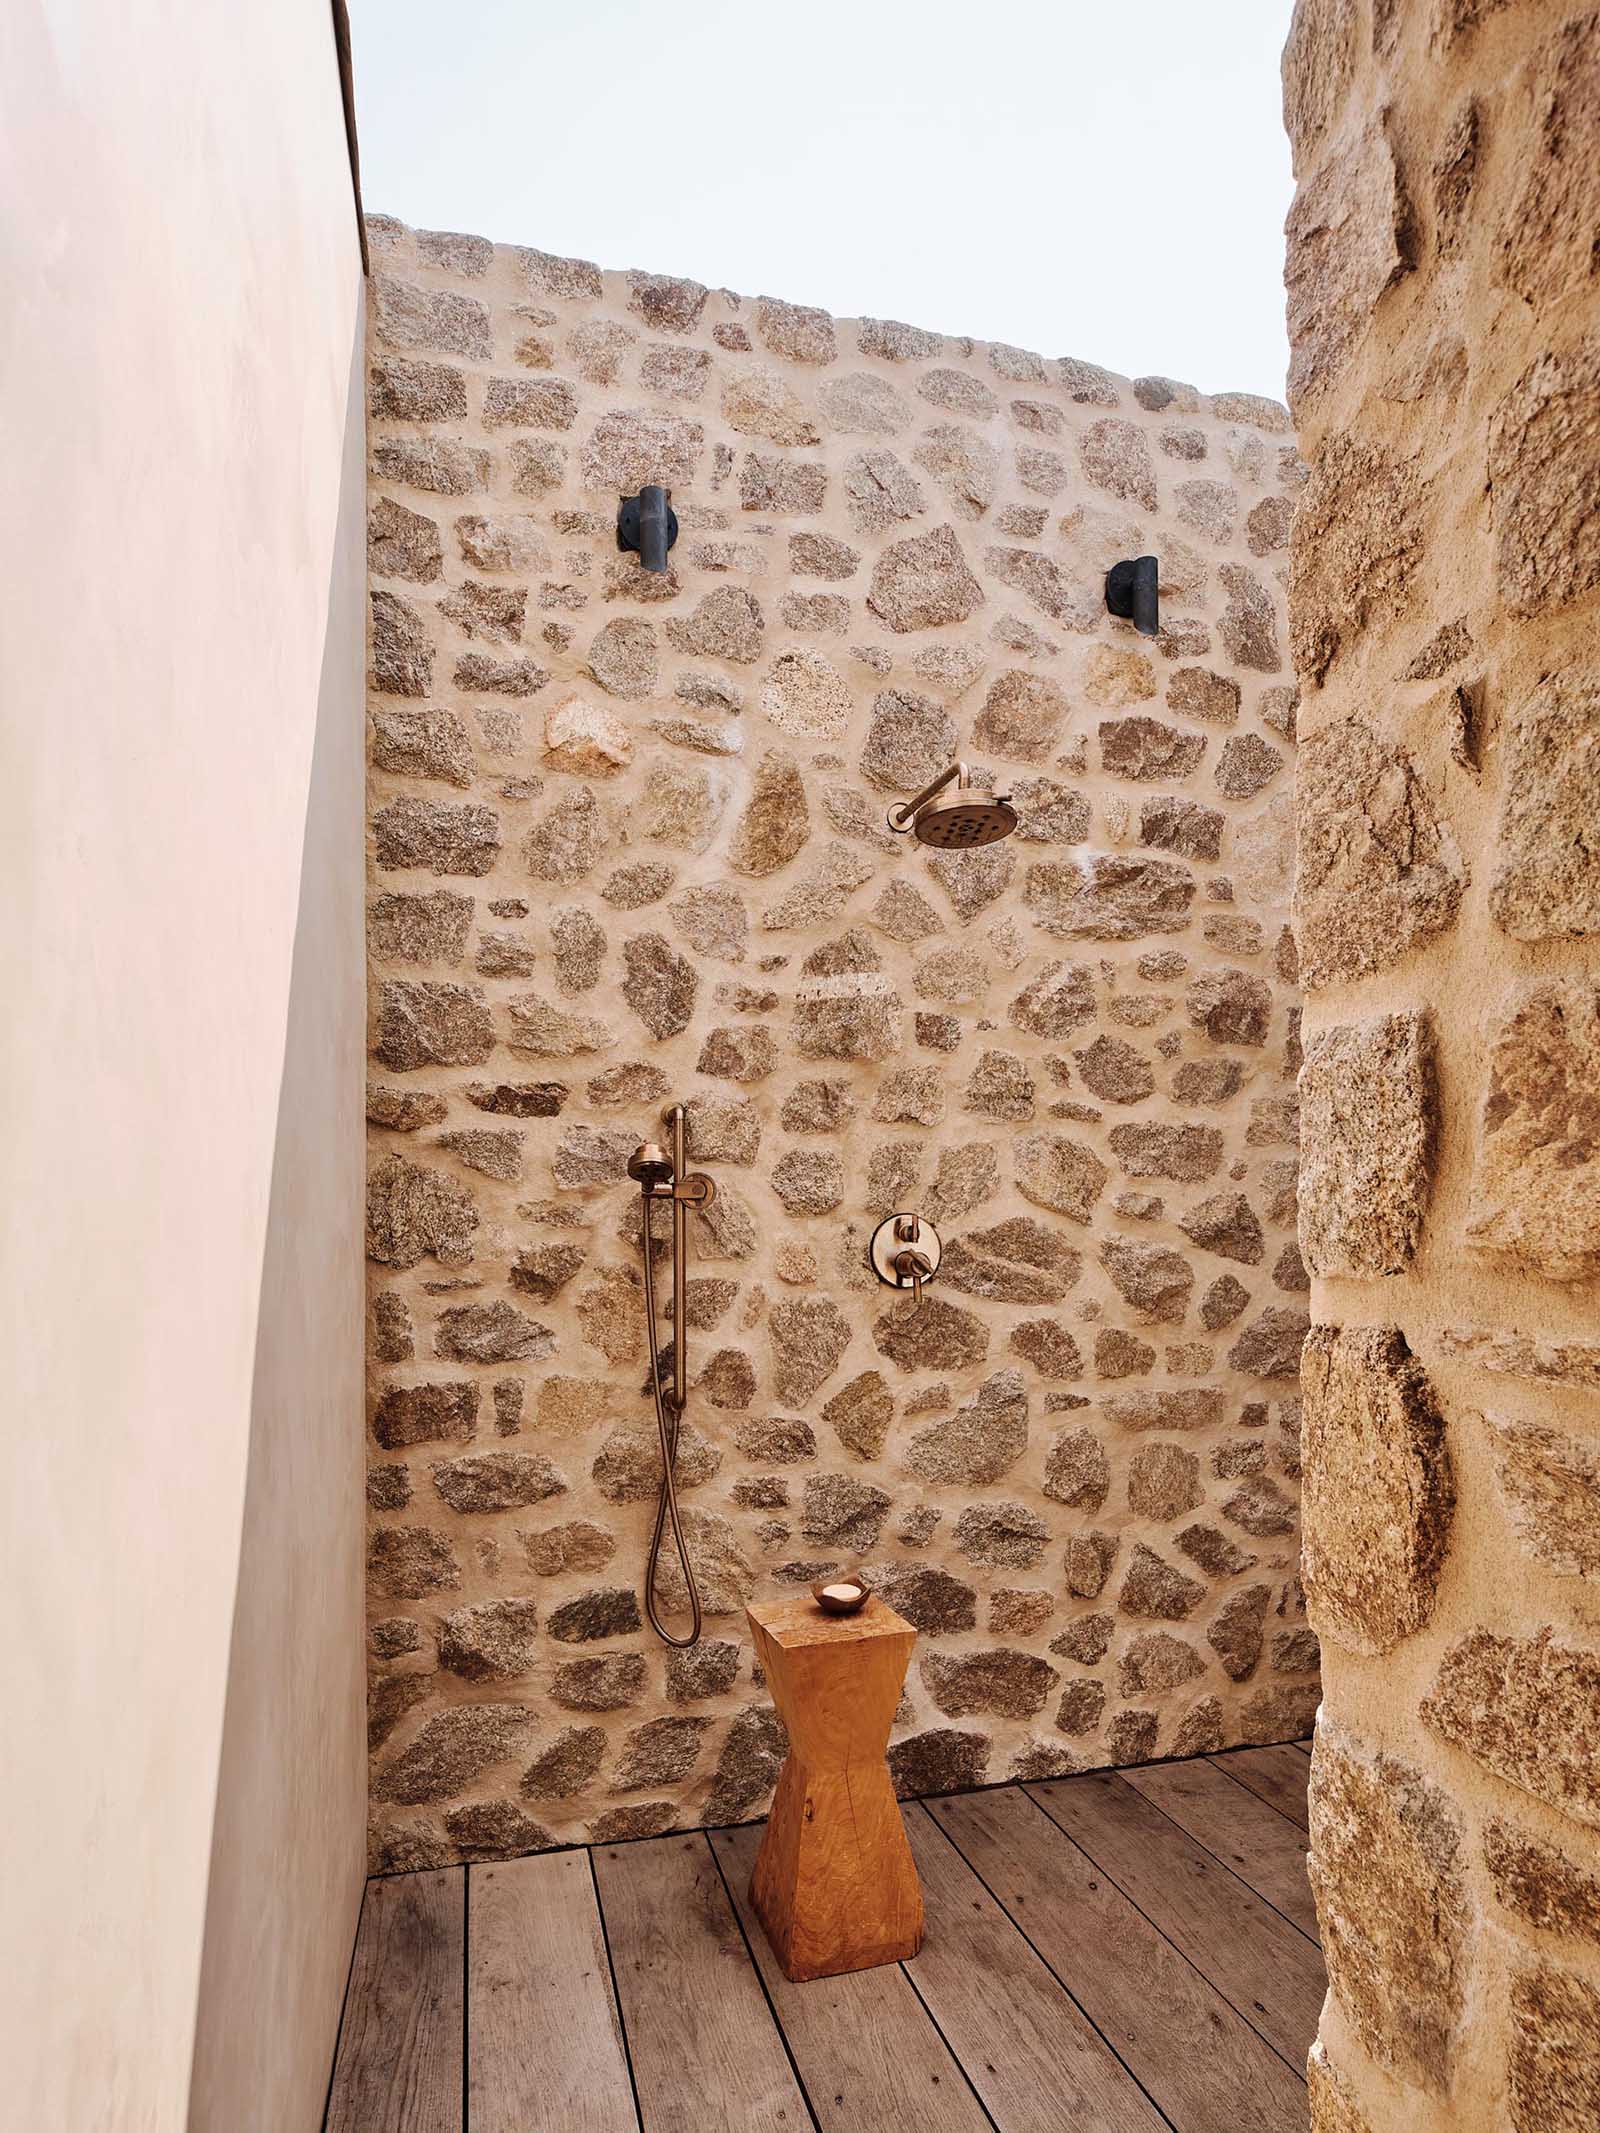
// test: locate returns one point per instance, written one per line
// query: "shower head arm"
(903, 817)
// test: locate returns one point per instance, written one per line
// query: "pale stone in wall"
(1387, 1867)
(1379, 1490)
(1368, 1112)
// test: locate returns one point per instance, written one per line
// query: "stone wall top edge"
(1257, 411)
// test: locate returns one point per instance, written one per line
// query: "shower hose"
(668, 1417)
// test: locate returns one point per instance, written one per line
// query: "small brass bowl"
(841, 1595)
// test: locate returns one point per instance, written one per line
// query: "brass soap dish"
(841, 1595)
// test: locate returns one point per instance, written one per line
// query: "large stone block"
(1011, 1684)
(1108, 897)
(965, 465)
(1527, 1708)
(1355, 543)
(1116, 457)
(1547, 878)
(1378, 1495)
(424, 1024)
(1544, 482)
(1536, 1178)
(1378, 870)
(415, 1213)
(1387, 1869)
(1062, 1175)
(1541, 1885)
(1545, 243)
(981, 1441)
(1554, 2058)
(406, 316)
(1551, 1484)
(809, 1336)
(923, 583)
(1319, 64)
(775, 821)
(1349, 239)
(941, 1760)
(1269, 1347)
(1368, 1108)
(451, 1750)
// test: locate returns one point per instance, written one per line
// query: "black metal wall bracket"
(1133, 593)
(648, 525)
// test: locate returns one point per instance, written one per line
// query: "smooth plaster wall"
(627, 843)
(179, 939)
(1444, 602)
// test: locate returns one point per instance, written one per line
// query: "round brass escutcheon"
(895, 1238)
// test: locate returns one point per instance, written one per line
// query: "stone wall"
(1446, 379)
(627, 845)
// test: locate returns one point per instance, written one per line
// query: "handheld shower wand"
(662, 1177)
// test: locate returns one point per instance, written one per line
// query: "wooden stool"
(834, 1884)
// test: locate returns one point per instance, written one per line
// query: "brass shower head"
(963, 825)
(958, 825)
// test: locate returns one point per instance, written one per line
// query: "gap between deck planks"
(1277, 1775)
(544, 2040)
(1266, 1969)
(1200, 2062)
(1264, 1848)
(1122, 1951)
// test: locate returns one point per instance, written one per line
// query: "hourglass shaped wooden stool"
(834, 1884)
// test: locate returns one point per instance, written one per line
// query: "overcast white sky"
(1103, 180)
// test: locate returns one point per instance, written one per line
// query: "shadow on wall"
(287, 1847)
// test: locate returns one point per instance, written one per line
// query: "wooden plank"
(1030, 2052)
(1202, 2064)
(544, 2039)
(1277, 1775)
(867, 2051)
(398, 2068)
(1262, 1848)
(1262, 1966)
(704, 2045)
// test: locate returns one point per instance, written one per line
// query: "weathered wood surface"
(705, 2048)
(1197, 2059)
(1262, 1846)
(1029, 2050)
(1265, 1968)
(1277, 1775)
(544, 2046)
(399, 2063)
(1104, 1954)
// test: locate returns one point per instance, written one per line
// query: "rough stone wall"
(1446, 559)
(628, 845)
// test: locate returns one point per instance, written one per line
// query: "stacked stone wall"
(1445, 601)
(627, 845)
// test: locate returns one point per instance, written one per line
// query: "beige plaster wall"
(1444, 603)
(626, 843)
(179, 941)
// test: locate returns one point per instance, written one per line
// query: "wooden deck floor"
(1114, 1953)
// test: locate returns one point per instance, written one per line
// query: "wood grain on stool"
(834, 1883)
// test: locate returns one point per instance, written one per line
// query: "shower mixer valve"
(905, 1252)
